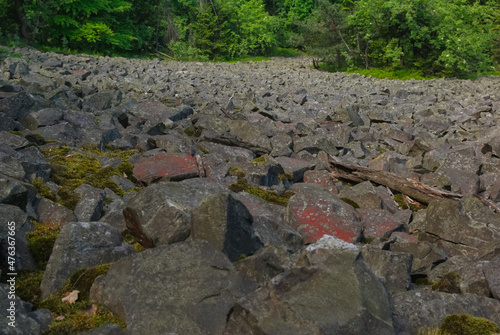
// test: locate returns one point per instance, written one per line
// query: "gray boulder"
(13, 228)
(91, 203)
(311, 298)
(461, 227)
(416, 311)
(81, 245)
(16, 320)
(161, 213)
(182, 288)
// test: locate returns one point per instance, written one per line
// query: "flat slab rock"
(166, 167)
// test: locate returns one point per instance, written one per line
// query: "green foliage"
(437, 37)
(81, 24)
(464, 324)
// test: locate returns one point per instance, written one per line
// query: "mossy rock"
(259, 160)
(72, 170)
(78, 317)
(41, 242)
(450, 283)
(464, 324)
(43, 189)
(235, 172)
(129, 238)
(268, 195)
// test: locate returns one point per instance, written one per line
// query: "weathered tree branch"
(409, 187)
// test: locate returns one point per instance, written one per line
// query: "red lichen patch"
(314, 215)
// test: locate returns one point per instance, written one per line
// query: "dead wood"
(412, 188)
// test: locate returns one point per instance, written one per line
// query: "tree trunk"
(21, 20)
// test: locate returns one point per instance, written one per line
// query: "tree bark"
(21, 20)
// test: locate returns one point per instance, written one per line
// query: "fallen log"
(412, 188)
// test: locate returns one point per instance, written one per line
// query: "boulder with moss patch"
(80, 245)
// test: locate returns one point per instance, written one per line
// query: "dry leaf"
(124, 175)
(60, 318)
(71, 298)
(90, 310)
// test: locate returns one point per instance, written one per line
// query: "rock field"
(242, 183)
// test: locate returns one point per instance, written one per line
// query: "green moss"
(28, 286)
(73, 170)
(450, 283)
(55, 151)
(16, 132)
(464, 324)
(100, 179)
(41, 241)
(350, 202)
(130, 239)
(76, 317)
(241, 256)
(267, 195)
(259, 160)
(68, 197)
(401, 203)
(367, 239)
(202, 149)
(422, 281)
(285, 176)
(235, 172)
(43, 189)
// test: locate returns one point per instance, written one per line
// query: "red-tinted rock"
(166, 167)
(314, 212)
(51, 212)
(379, 223)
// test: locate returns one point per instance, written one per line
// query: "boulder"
(294, 167)
(416, 311)
(379, 223)
(161, 213)
(51, 212)
(81, 245)
(13, 228)
(470, 274)
(461, 227)
(314, 212)
(492, 276)
(311, 298)
(166, 167)
(17, 320)
(364, 195)
(225, 223)
(91, 203)
(393, 268)
(268, 223)
(182, 288)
